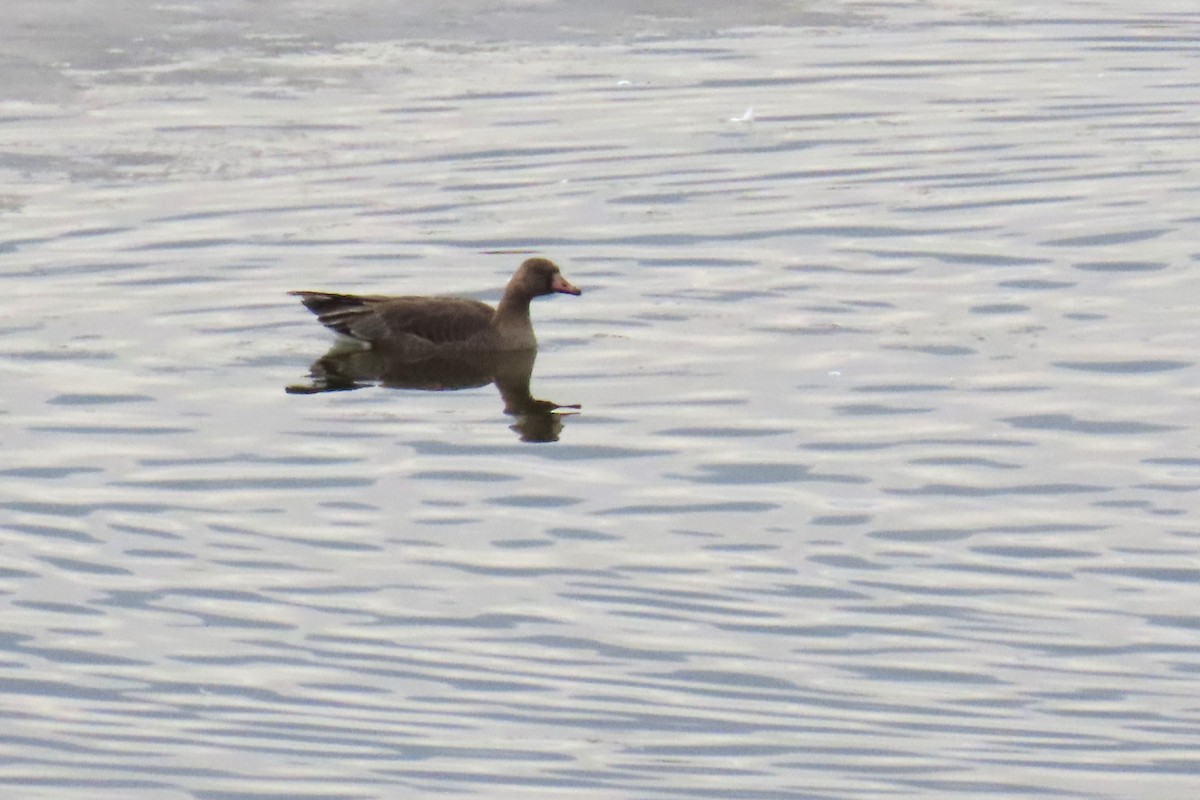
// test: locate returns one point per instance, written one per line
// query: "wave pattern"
(886, 478)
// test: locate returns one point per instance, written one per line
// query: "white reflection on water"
(885, 477)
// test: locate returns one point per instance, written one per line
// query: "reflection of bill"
(353, 367)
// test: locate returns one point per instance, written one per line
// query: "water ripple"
(843, 305)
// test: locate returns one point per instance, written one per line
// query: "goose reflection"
(350, 366)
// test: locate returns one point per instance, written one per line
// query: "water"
(884, 481)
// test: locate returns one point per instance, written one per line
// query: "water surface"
(885, 478)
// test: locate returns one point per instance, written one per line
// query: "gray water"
(885, 478)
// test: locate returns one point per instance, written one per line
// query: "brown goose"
(430, 326)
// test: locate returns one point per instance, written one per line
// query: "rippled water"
(885, 478)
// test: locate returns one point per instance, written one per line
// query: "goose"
(428, 326)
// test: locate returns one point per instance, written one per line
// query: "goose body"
(429, 326)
